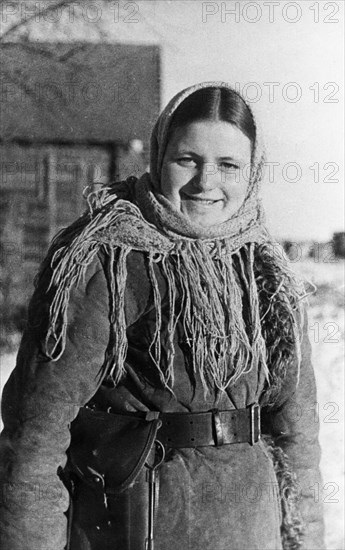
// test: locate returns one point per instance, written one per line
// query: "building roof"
(58, 92)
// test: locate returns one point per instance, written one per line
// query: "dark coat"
(210, 498)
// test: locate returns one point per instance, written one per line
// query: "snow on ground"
(326, 332)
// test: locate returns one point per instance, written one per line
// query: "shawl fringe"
(207, 284)
(292, 527)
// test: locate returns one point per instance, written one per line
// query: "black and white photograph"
(172, 251)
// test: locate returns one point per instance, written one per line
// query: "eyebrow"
(193, 153)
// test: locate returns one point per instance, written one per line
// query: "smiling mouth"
(200, 200)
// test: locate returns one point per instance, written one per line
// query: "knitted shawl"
(210, 273)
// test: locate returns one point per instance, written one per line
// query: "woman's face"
(202, 172)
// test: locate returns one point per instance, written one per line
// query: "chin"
(206, 221)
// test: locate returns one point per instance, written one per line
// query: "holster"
(110, 474)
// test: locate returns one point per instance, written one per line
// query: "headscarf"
(229, 286)
(249, 218)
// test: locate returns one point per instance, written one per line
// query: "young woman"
(163, 323)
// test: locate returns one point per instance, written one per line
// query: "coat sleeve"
(40, 400)
(295, 428)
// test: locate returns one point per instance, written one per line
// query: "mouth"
(200, 200)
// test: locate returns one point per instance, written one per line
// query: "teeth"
(202, 201)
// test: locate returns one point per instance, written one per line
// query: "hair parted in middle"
(215, 104)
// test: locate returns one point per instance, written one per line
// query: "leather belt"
(214, 427)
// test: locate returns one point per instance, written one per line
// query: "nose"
(208, 177)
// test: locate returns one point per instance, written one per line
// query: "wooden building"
(71, 115)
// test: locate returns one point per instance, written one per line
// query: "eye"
(229, 167)
(186, 161)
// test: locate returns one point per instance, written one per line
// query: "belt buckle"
(218, 428)
(255, 428)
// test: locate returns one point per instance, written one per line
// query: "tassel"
(292, 527)
(117, 312)
(208, 284)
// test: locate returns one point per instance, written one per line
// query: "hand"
(121, 399)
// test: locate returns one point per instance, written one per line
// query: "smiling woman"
(166, 333)
(212, 135)
(203, 171)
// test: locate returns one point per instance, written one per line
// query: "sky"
(292, 74)
(285, 57)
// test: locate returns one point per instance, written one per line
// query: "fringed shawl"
(210, 275)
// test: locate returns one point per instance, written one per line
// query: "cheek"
(240, 192)
(171, 181)
(236, 190)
